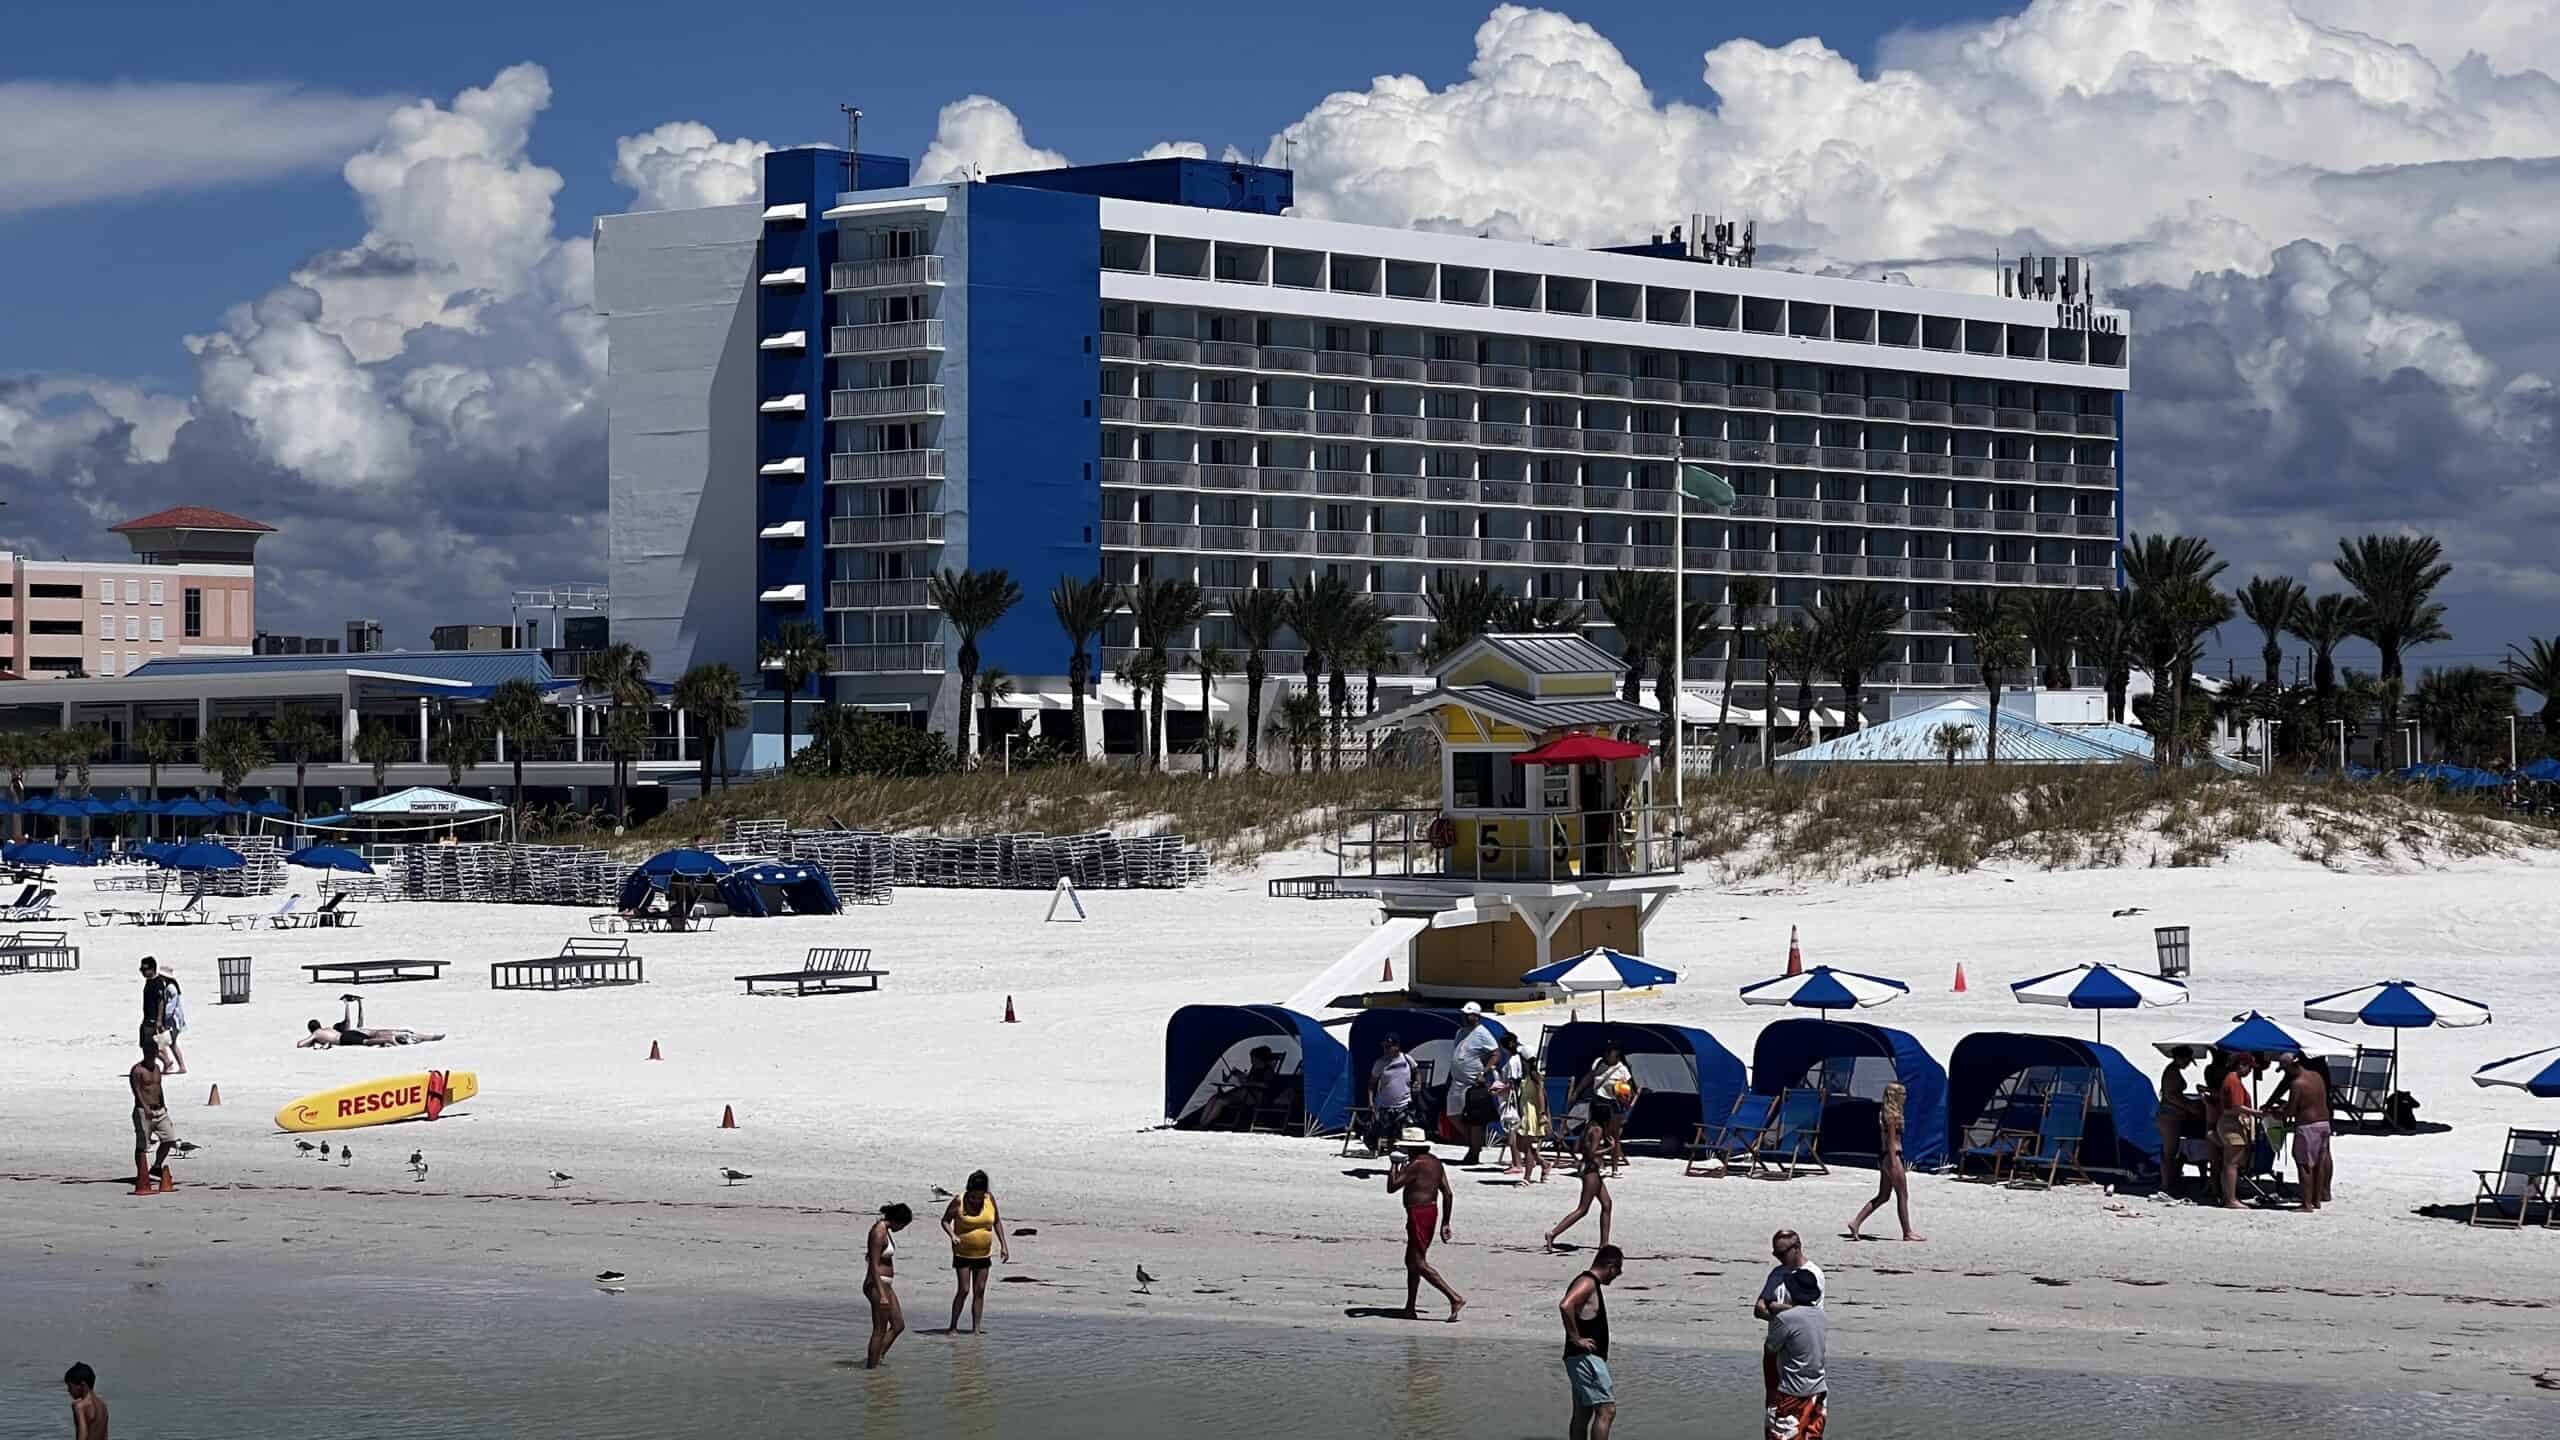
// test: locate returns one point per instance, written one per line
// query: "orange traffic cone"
(1795, 953)
(1959, 977)
(728, 1118)
(653, 1051)
(1387, 972)
(166, 1184)
(214, 1097)
(142, 1181)
(1008, 1011)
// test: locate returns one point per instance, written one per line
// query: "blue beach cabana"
(2120, 1137)
(1427, 1035)
(654, 873)
(778, 887)
(1205, 1046)
(1851, 1062)
(1684, 1075)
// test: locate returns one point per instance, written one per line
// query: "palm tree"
(1301, 725)
(995, 686)
(155, 745)
(1319, 610)
(2323, 624)
(1460, 611)
(711, 695)
(1951, 740)
(231, 749)
(621, 671)
(2178, 613)
(2272, 602)
(1362, 640)
(2050, 620)
(1746, 596)
(1637, 604)
(2538, 669)
(1793, 651)
(2396, 577)
(835, 736)
(458, 742)
(1161, 609)
(626, 738)
(973, 601)
(303, 737)
(1697, 626)
(1212, 663)
(2157, 567)
(1082, 606)
(1990, 621)
(2466, 707)
(519, 715)
(1858, 637)
(19, 753)
(1535, 615)
(380, 746)
(1260, 614)
(797, 653)
(2110, 641)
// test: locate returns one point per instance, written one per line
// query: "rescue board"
(422, 1096)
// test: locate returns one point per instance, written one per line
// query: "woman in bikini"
(879, 1282)
(1595, 1188)
(1893, 1177)
(976, 1228)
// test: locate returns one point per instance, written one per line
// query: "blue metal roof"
(471, 667)
(1905, 740)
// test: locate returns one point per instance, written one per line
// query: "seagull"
(324, 1150)
(607, 1277)
(346, 1154)
(1145, 1280)
(734, 1176)
(305, 1146)
(186, 1147)
(560, 1177)
(2128, 910)
(941, 1194)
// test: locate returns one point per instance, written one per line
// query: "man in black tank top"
(1585, 1308)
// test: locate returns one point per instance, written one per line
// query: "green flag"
(1705, 486)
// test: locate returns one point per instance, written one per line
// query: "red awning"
(1581, 750)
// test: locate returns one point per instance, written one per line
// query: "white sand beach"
(846, 1102)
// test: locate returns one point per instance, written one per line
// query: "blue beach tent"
(2121, 1137)
(1683, 1074)
(654, 872)
(1204, 1045)
(1851, 1062)
(778, 887)
(1427, 1036)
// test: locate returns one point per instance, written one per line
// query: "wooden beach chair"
(1744, 1124)
(1796, 1142)
(1996, 1140)
(1282, 1108)
(2055, 1146)
(2363, 1093)
(2524, 1174)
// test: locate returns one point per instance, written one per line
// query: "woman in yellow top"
(976, 1229)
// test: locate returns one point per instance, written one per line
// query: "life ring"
(1442, 834)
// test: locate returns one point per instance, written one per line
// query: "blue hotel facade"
(821, 397)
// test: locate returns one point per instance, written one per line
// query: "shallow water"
(212, 1355)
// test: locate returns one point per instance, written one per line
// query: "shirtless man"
(2307, 1101)
(88, 1407)
(351, 1030)
(150, 1119)
(1428, 1205)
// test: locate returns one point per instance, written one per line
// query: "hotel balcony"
(884, 402)
(885, 465)
(922, 528)
(884, 659)
(903, 273)
(879, 595)
(894, 338)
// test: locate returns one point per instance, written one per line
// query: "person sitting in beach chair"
(351, 1030)
(1236, 1100)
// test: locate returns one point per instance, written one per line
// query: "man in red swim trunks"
(1428, 1204)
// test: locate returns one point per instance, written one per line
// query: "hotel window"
(156, 597)
(195, 612)
(133, 592)
(107, 590)
(133, 627)
(106, 627)
(132, 658)
(106, 662)
(155, 629)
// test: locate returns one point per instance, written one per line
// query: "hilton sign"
(2070, 316)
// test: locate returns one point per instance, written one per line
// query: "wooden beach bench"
(375, 972)
(581, 964)
(826, 971)
(38, 950)
(2524, 1175)
(1736, 1138)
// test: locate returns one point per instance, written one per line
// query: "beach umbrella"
(271, 808)
(205, 855)
(1581, 750)
(1598, 971)
(2546, 769)
(2396, 1005)
(123, 805)
(2100, 987)
(42, 852)
(1823, 988)
(2258, 1035)
(36, 805)
(188, 807)
(330, 857)
(2535, 1074)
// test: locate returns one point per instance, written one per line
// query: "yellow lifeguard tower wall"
(1494, 955)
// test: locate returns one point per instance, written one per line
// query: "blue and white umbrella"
(2534, 1074)
(1823, 988)
(2397, 1005)
(2258, 1035)
(330, 857)
(1599, 971)
(2100, 987)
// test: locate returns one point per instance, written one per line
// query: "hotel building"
(1153, 370)
(191, 588)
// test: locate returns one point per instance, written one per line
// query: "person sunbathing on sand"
(351, 1030)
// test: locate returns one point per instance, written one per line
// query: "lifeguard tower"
(1546, 842)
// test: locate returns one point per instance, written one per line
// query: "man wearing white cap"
(1471, 1103)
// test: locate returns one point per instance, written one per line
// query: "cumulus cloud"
(980, 136)
(683, 164)
(63, 144)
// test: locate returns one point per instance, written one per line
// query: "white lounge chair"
(252, 919)
(191, 913)
(38, 906)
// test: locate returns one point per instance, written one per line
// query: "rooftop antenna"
(1289, 152)
(852, 145)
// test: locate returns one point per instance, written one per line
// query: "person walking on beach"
(1429, 1204)
(1390, 1095)
(150, 1119)
(1586, 1345)
(1469, 1058)
(2178, 1105)
(164, 1012)
(880, 1282)
(1516, 1086)
(88, 1407)
(1795, 1381)
(1595, 1189)
(2236, 1132)
(2307, 1105)
(976, 1227)
(1893, 1177)
(1609, 1092)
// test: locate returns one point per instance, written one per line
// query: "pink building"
(191, 588)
